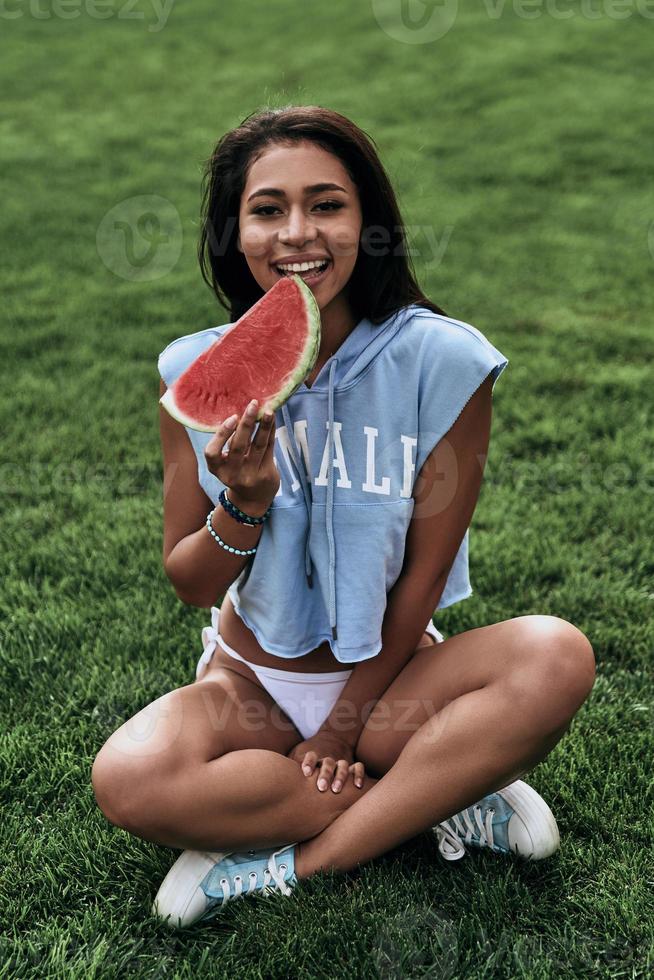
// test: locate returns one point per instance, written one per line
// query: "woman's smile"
(313, 273)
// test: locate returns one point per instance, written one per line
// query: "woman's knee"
(146, 750)
(554, 672)
(322, 807)
(112, 793)
(187, 727)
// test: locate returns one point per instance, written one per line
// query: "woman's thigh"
(186, 727)
(545, 663)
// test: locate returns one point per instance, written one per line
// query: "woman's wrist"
(346, 728)
(250, 507)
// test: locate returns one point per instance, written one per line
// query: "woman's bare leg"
(248, 798)
(265, 798)
(526, 679)
(205, 767)
(474, 746)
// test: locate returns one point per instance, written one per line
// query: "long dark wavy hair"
(380, 284)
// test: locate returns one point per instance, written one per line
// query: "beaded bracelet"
(239, 515)
(233, 551)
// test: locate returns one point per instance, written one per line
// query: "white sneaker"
(200, 882)
(514, 820)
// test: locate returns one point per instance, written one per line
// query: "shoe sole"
(545, 836)
(180, 901)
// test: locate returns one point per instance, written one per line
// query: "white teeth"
(301, 266)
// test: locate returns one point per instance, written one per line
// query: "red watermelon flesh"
(266, 355)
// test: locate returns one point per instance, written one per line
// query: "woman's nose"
(298, 229)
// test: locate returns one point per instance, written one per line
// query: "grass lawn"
(521, 150)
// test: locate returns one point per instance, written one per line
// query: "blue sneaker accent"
(246, 872)
(483, 824)
(199, 882)
(514, 820)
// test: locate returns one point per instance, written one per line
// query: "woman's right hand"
(248, 469)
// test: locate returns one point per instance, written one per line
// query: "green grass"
(525, 146)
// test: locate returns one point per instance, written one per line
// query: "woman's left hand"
(331, 756)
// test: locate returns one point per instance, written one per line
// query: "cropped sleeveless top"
(349, 450)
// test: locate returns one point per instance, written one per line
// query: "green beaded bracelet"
(233, 551)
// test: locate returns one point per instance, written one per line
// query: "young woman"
(330, 721)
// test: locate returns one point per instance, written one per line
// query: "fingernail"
(306, 770)
(252, 408)
(336, 786)
(359, 783)
(230, 422)
(322, 784)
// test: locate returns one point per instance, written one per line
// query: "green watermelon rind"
(307, 362)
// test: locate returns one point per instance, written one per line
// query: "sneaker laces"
(269, 875)
(463, 826)
(273, 878)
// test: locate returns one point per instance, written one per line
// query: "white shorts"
(306, 698)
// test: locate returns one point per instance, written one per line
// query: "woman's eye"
(265, 209)
(332, 205)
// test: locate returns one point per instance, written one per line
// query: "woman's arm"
(445, 494)
(198, 567)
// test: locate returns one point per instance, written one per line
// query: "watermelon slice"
(266, 355)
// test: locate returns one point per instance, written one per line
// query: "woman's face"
(284, 218)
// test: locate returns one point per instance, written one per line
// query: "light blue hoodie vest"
(333, 545)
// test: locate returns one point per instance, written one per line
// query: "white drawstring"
(209, 642)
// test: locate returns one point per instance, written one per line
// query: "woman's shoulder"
(439, 346)
(436, 330)
(180, 353)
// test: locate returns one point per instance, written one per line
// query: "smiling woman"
(342, 525)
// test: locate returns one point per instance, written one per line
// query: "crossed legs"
(481, 721)
(205, 767)
(488, 704)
